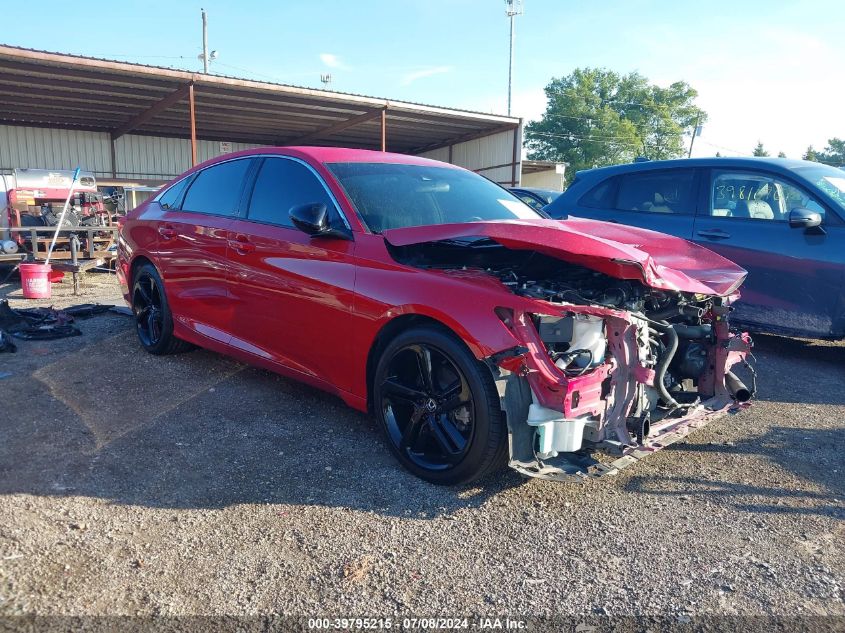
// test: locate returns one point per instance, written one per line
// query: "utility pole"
(696, 131)
(204, 42)
(513, 9)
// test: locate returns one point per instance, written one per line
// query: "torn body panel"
(604, 365)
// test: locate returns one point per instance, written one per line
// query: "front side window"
(216, 190)
(755, 196)
(395, 195)
(669, 191)
(281, 185)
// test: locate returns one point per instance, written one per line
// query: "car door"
(292, 292)
(662, 200)
(192, 247)
(795, 275)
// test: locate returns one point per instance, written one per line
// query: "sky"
(765, 70)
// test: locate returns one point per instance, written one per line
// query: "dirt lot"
(192, 484)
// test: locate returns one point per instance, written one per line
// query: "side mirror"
(804, 219)
(313, 219)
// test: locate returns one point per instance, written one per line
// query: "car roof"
(783, 165)
(333, 155)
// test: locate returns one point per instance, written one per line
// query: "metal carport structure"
(145, 122)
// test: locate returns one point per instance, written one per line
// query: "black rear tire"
(438, 407)
(153, 319)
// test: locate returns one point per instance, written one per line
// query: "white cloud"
(527, 104)
(331, 60)
(410, 78)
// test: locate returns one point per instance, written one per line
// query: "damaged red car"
(476, 330)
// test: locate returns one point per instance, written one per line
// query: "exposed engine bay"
(606, 365)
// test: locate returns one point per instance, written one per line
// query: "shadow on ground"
(800, 370)
(96, 416)
(101, 418)
(814, 456)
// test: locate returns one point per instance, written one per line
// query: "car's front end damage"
(614, 357)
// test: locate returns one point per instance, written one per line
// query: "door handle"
(242, 245)
(715, 234)
(167, 232)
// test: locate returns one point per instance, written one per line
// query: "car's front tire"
(439, 407)
(153, 319)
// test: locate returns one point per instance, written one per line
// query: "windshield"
(828, 179)
(394, 195)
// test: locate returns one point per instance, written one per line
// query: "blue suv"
(782, 220)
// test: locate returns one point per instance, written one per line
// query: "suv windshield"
(395, 195)
(828, 179)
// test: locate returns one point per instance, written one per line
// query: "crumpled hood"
(658, 260)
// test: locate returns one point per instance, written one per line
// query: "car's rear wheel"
(153, 319)
(439, 407)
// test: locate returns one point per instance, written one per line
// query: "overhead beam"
(338, 127)
(174, 97)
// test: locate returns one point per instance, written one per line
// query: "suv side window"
(665, 191)
(283, 183)
(217, 189)
(602, 196)
(757, 196)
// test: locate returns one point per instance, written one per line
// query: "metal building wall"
(158, 158)
(492, 156)
(136, 157)
(45, 148)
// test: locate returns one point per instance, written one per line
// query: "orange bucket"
(35, 280)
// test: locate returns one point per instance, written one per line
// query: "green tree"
(810, 154)
(760, 150)
(781, 155)
(597, 117)
(834, 152)
(718, 154)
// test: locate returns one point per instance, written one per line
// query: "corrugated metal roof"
(69, 91)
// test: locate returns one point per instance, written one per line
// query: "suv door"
(795, 275)
(192, 246)
(292, 292)
(659, 199)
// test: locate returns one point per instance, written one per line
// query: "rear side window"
(170, 199)
(282, 184)
(669, 191)
(217, 190)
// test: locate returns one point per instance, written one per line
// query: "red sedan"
(475, 329)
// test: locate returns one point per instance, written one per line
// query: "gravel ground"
(192, 484)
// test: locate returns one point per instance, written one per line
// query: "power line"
(613, 140)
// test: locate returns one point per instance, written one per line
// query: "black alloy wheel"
(438, 408)
(153, 320)
(146, 303)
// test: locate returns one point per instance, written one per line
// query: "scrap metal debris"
(42, 324)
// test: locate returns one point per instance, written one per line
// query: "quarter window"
(217, 189)
(757, 196)
(657, 192)
(170, 198)
(281, 185)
